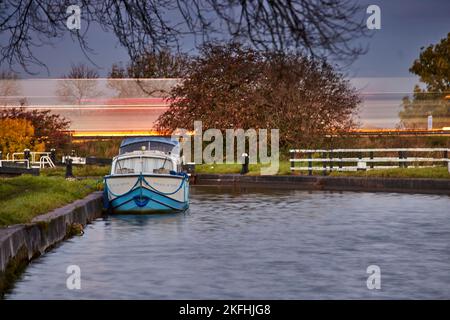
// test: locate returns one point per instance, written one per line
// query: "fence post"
(360, 155)
(292, 162)
(340, 162)
(445, 157)
(400, 156)
(331, 162)
(324, 164)
(405, 156)
(309, 164)
(371, 158)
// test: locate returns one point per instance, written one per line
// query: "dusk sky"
(381, 75)
(407, 25)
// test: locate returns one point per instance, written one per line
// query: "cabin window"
(152, 145)
(143, 164)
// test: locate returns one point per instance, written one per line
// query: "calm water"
(251, 244)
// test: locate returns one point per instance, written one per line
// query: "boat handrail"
(146, 153)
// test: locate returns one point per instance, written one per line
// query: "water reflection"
(258, 244)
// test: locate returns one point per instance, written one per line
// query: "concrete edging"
(21, 243)
(408, 185)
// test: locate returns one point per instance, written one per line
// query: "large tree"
(433, 69)
(433, 66)
(317, 28)
(232, 86)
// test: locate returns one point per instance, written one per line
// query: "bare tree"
(9, 87)
(80, 83)
(137, 79)
(316, 28)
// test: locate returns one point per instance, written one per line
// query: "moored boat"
(146, 177)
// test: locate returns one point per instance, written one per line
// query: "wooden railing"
(366, 159)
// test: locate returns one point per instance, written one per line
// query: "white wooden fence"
(367, 159)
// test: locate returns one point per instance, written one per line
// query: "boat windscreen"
(142, 164)
(151, 145)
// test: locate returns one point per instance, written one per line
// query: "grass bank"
(24, 197)
(254, 169)
(78, 171)
(433, 172)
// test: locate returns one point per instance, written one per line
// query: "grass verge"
(255, 169)
(24, 197)
(78, 171)
(431, 173)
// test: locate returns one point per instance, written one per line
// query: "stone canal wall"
(409, 185)
(21, 243)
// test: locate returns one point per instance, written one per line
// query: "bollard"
(69, 173)
(26, 156)
(244, 169)
(53, 155)
(190, 167)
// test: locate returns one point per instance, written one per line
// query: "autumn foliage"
(231, 86)
(48, 128)
(17, 135)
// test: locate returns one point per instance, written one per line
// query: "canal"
(256, 244)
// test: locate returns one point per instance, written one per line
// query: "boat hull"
(146, 193)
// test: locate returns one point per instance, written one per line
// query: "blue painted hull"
(145, 198)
